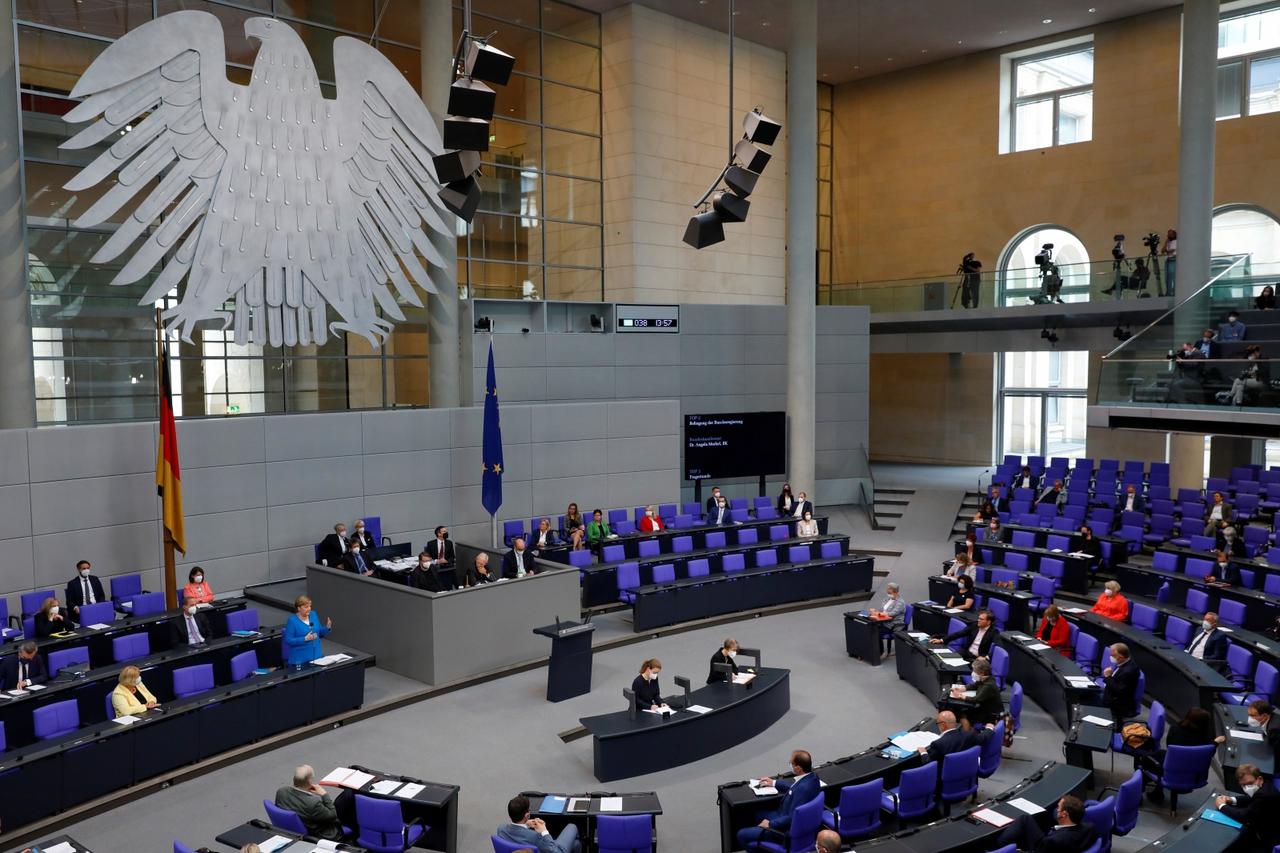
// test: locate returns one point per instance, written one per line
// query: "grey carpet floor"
(497, 738)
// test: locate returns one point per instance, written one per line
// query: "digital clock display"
(648, 318)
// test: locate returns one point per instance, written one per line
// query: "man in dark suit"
(1263, 716)
(1258, 808)
(440, 549)
(978, 637)
(1132, 501)
(1070, 834)
(1052, 495)
(1223, 571)
(479, 573)
(22, 669)
(1086, 543)
(720, 514)
(714, 499)
(998, 500)
(363, 536)
(951, 738)
(426, 576)
(1120, 684)
(801, 506)
(797, 791)
(84, 588)
(333, 548)
(517, 562)
(1210, 645)
(191, 627)
(356, 561)
(1208, 346)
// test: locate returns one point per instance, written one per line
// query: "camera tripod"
(968, 286)
(1153, 263)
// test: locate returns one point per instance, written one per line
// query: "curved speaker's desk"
(625, 747)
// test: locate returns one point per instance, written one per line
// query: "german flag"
(168, 473)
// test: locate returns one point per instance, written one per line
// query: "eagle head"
(262, 29)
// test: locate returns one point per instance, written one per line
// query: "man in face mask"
(1210, 645)
(1233, 329)
(1223, 571)
(363, 536)
(440, 549)
(84, 588)
(714, 500)
(1258, 808)
(190, 627)
(356, 561)
(1262, 716)
(333, 548)
(23, 669)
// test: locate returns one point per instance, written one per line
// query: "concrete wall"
(919, 182)
(260, 491)
(666, 127)
(726, 358)
(933, 407)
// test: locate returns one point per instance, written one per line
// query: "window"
(1249, 63)
(1246, 230)
(1052, 98)
(1042, 402)
(1019, 275)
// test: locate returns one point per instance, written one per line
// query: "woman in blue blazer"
(303, 631)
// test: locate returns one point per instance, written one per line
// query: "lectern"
(569, 672)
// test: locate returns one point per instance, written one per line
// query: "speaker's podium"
(569, 673)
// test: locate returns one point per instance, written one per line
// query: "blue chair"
(1165, 561)
(955, 625)
(511, 530)
(799, 554)
(284, 818)
(1240, 665)
(616, 516)
(179, 847)
(1266, 685)
(31, 601)
(667, 510)
(1015, 706)
(56, 719)
(692, 508)
(125, 587)
(1197, 600)
(1185, 769)
(625, 528)
(581, 559)
(959, 777)
(624, 833)
(103, 612)
(829, 551)
(1024, 539)
(1128, 800)
(502, 845)
(733, 563)
(383, 828)
(715, 539)
(1231, 612)
(1178, 631)
(1000, 610)
(802, 835)
(628, 581)
(766, 557)
(1086, 652)
(130, 647)
(766, 513)
(243, 665)
(191, 680)
(665, 573)
(858, 813)
(1145, 617)
(1197, 567)
(649, 548)
(149, 603)
(1052, 567)
(698, 568)
(243, 620)
(1156, 722)
(778, 532)
(613, 553)
(989, 757)
(682, 544)
(1016, 562)
(915, 795)
(62, 658)
(1203, 543)
(748, 536)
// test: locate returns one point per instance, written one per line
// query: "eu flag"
(491, 484)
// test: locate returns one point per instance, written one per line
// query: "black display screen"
(737, 444)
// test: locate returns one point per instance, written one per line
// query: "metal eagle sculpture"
(270, 195)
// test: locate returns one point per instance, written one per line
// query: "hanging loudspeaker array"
(745, 166)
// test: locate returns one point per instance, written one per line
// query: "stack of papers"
(64, 847)
(697, 709)
(911, 741)
(1074, 610)
(918, 635)
(1025, 805)
(17, 693)
(664, 708)
(762, 790)
(1244, 734)
(126, 719)
(952, 610)
(989, 816)
(1097, 721)
(345, 777)
(386, 787)
(274, 843)
(1039, 647)
(328, 659)
(400, 564)
(579, 805)
(410, 790)
(97, 626)
(743, 677)
(1080, 681)
(611, 804)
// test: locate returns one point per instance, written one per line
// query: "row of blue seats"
(676, 516)
(629, 572)
(684, 545)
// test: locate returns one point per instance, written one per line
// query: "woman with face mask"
(197, 587)
(51, 620)
(993, 531)
(1111, 603)
(962, 599)
(724, 655)
(131, 696)
(645, 686)
(652, 522)
(806, 527)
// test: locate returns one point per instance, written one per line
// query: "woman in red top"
(652, 522)
(1111, 603)
(1054, 631)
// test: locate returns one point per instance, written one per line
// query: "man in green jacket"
(312, 804)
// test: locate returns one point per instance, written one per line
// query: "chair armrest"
(405, 832)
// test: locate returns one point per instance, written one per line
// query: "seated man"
(23, 669)
(797, 791)
(440, 550)
(312, 804)
(1132, 500)
(1223, 571)
(951, 738)
(479, 573)
(1210, 645)
(720, 513)
(191, 627)
(1052, 495)
(333, 548)
(84, 588)
(1070, 834)
(427, 575)
(978, 637)
(517, 562)
(828, 841)
(532, 831)
(355, 561)
(1258, 808)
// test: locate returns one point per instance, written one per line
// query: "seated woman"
(806, 527)
(51, 620)
(986, 512)
(652, 522)
(961, 566)
(1266, 300)
(645, 686)
(1111, 603)
(598, 530)
(131, 696)
(197, 587)
(575, 527)
(1054, 631)
(971, 545)
(962, 599)
(543, 537)
(724, 655)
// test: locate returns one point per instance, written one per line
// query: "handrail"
(869, 503)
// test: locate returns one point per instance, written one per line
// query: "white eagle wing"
(173, 70)
(390, 138)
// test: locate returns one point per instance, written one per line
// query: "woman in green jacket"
(598, 530)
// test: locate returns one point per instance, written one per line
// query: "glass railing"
(1095, 281)
(1190, 357)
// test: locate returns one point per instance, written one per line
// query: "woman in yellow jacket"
(131, 696)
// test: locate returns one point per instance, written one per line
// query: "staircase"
(972, 501)
(887, 506)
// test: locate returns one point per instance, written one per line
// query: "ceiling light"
(959, 41)
(1092, 9)
(1047, 21)
(765, 24)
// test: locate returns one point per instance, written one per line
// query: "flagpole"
(493, 517)
(170, 558)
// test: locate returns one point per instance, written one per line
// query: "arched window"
(1244, 229)
(1019, 276)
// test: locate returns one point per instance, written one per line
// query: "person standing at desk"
(724, 655)
(517, 562)
(1120, 684)
(532, 831)
(652, 522)
(333, 548)
(598, 530)
(50, 620)
(797, 791)
(714, 501)
(1258, 808)
(311, 803)
(191, 627)
(302, 633)
(806, 528)
(22, 669)
(197, 587)
(131, 696)
(355, 561)
(786, 501)
(892, 614)
(645, 686)
(1054, 631)
(84, 588)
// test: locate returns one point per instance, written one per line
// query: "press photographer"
(970, 272)
(1050, 280)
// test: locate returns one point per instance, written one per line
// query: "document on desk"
(552, 804)
(1074, 610)
(125, 719)
(331, 659)
(17, 693)
(911, 741)
(97, 626)
(579, 805)
(1080, 681)
(744, 677)
(1245, 735)
(345, 777)
(1097, 721)
(918, 635)
(1023, 804)
(1224, 629)
(611, 804)
(697, 709)
(274, 843)
(410, 790)
(64, 847)
(761, 790)
(661, 709)
(1039, 647)
(385, 787)
(989, 816)
(952, 610)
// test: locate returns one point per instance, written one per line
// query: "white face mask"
(192, 610)
(652, 676)
(355, 550)
(1251, 789)
(1255, 722)
(1109, 593)
(649, 513)
(84, 573)
(359, 530)
(53, 611)
(198, 579)
(1206, 625)
(732, 654)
